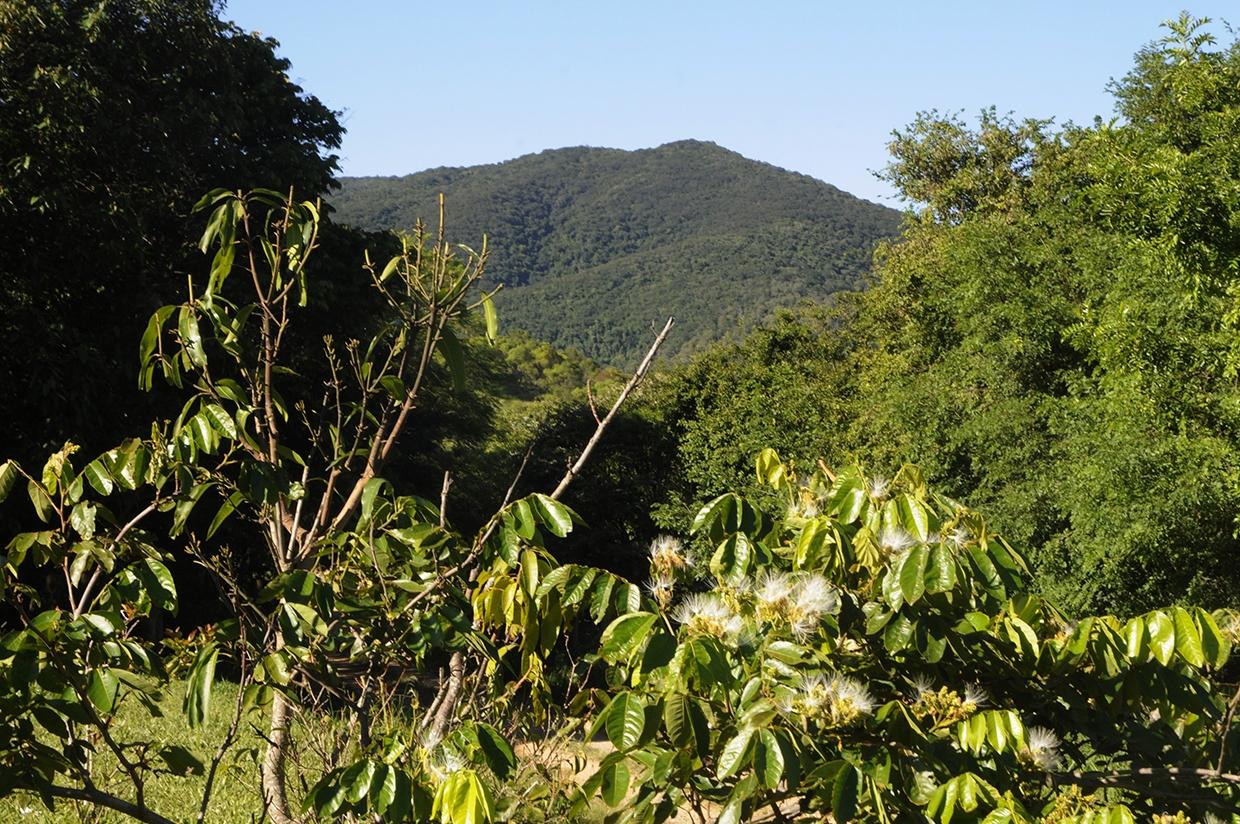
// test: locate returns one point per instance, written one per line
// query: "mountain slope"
(595, 246)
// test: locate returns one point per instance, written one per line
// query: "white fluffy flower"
(922, 685)
(878, 487)
(708, 614)
(851, 694)
(1042, 748)
(894, 540)
(666, 554)
(974, 697)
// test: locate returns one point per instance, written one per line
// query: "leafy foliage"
(871, 653)
(1051, 339)
(595, 245)
(114, 117)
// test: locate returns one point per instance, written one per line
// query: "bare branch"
(615, 407)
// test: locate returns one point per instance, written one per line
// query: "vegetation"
(336, 575)
(870, 651)
(603, 243)
(1052, 340)
(117, 116)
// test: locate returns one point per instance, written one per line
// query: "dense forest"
(303, 519)
(594, 246)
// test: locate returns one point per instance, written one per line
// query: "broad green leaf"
(358, 779)
(1187, 638)
(454, 356)
(1162, 636)
(556, 516)
(369, 493)
(383, 787)
(625, 635)
(220, 420)
(912, 516)
(198, 685)
(615, 783)
(736, 753)
(769, 759)
(8, 478)
(625, 720)
(913, 574)
(82, 519)
(1214, 645)
(941, 570)
(844, 794)
(102, 688)
(499, 756)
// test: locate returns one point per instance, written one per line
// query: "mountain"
(595, 247)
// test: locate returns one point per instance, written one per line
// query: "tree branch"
(112, 802)
(615, 407)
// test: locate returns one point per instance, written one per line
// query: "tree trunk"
(275, 799)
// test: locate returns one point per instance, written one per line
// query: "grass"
(235, 795)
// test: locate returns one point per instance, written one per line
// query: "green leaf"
(625, 719)
(769, 759)
(625, 635)
(97, 475)
(225, 510)
(82, 519)
(1214, 645)
(555, 516)
(102, 688)
(844, 794)
(198, 685)
(736, 753)
(492, 318)
(8, 478)
(220, 420)
(42, 502)
(499, 756)
(383, 788)
(1187, 638)
(1162, 636)
(913, 516)
(913, 574)
(369, 492)
(454, 356)
(615, 783)
(941, 570)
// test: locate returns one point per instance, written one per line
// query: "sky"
(814, 87)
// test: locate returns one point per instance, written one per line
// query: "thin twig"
(615, 407)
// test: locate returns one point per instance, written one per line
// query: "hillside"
(595, 246)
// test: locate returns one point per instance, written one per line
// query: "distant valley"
(596, 246)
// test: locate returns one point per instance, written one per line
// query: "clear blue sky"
(816, 87)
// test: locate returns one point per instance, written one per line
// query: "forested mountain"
(595, 245)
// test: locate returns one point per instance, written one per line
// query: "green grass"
(235, 795)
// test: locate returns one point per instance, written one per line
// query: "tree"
(869, 650)
(1052, 338)
(114, 117)
(358, 589)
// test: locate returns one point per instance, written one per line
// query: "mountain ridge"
(594, 245)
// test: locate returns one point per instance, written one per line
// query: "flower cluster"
(943, 707)
(666, 559)
(1041, 748)
(706, 613)
(799, 601)
(835, 701)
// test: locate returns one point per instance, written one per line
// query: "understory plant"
(871, 652)
(341, 596)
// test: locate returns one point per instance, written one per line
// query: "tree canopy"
(115, 116)
(1052, 338)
